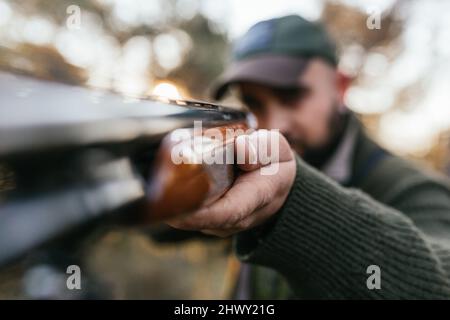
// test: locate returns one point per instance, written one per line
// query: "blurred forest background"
(400, 89)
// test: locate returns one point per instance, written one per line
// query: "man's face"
(306, 115)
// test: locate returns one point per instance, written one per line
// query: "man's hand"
(254, 197)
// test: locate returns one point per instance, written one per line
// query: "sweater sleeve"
(326, 236)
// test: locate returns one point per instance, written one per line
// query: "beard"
(318, 156)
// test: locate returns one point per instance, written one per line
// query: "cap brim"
(271, 70)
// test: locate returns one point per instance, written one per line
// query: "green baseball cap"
(275, 52)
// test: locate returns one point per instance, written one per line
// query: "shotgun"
(73, 157)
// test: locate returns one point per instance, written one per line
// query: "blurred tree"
(42, 62)
(201, 63)
(206, 60)
(348, 25)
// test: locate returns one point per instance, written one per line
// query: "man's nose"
(278, 118)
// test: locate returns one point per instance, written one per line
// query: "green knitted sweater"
(326, 236)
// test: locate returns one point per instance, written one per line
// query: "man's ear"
(343, 82)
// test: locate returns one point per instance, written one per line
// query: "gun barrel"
(78, 155)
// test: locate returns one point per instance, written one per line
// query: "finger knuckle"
(243, 224)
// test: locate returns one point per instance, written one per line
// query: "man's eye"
(252, 103)
(290, 96)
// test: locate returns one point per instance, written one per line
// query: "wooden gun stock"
(178, 188)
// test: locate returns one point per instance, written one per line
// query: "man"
(342, 218)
